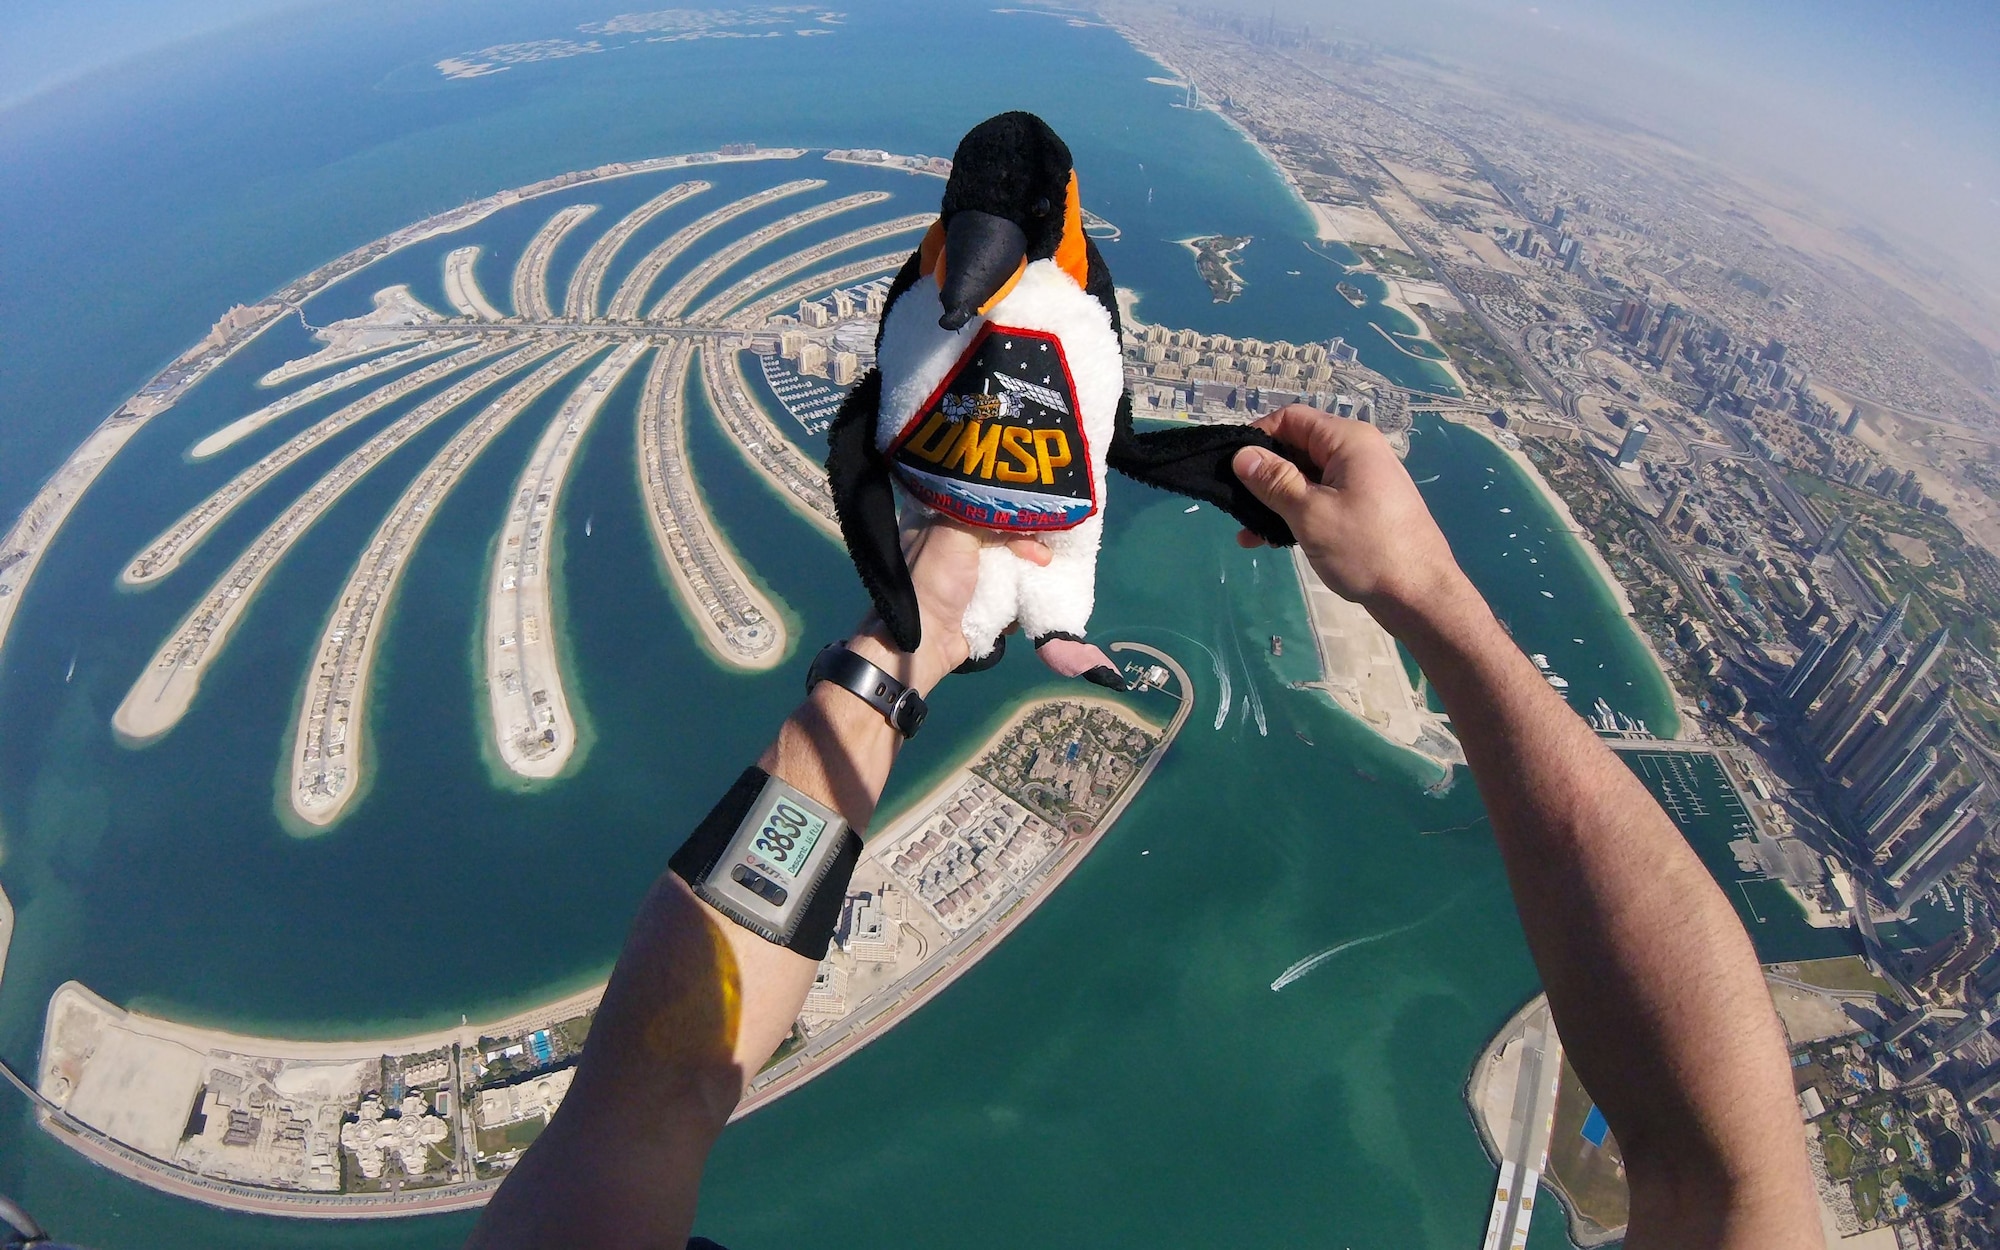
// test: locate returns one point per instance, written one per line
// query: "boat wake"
(1222, 703)
(1311, 962)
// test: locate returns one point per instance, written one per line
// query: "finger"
(1308, 429)
(1247, 540)
(1031, 550)
(1273, 479)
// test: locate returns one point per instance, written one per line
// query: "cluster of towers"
(1891, 746)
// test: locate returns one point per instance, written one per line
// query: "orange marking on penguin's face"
(1071, 256)
(930, 253)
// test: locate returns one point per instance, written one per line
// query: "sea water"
(1119, 1071)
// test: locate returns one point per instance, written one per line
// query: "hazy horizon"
(1894, 114)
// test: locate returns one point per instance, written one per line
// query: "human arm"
(696, 1003)
(1653, 983)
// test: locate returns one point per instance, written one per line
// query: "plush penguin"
(998, 399)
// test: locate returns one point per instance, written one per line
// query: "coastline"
(1581, 537)
(186, 1048)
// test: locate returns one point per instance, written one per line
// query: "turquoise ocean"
(1119, 1071)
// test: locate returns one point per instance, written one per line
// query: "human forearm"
(695, 1007)
(1653, 984)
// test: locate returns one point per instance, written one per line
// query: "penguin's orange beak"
(984, 255)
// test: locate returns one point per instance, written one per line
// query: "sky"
(44, 43)
(1891, 109)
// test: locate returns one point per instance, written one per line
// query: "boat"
(587, 521)
(1352, 293)
(1193, 507)
(72, 670)
(1277, 644)
(1301, 734)
(1560, 683)
(1291, 273)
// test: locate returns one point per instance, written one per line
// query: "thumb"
(1273, 479)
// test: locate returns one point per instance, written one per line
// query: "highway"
(529, 709)
(241, 428)
(588, 282)
(163, 555)
(1524, 1135)
(763, 444)
(531, 275)
(731, 616)
(327, 755)
(631, 294)
(461, 285)
(716, 263)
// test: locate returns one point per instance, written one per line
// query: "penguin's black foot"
(986, 661)
(1108, 677)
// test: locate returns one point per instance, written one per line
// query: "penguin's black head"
(1011, 200)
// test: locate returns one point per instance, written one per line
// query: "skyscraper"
(1672, 326)
(1931, 836)
(1912, 728)
(1816, 646)
(1634, 442)
(1925, 655)
(1904, 793)
(1829, 542)
(1840, 718)
(1830, 668)
(1956, 849)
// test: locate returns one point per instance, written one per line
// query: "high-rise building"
(1853, 422)
(1672, 326)
(1830, 668)
(1774, 352)
(1889, 808)
(1633, 316)
(1829, 542)
(1931, 836)
(1956, 849)
(1816, 646)
(1839, 715)
(1909, 730)
(1633, 443)
(1887, 631)
(1557, 218)
(1922, 658)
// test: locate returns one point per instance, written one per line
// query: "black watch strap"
(901, 706)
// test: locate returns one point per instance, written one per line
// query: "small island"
(1215, 257)
(1352, 293)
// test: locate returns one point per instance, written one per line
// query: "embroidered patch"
(1000, 443)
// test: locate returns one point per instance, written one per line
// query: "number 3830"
(782, 830)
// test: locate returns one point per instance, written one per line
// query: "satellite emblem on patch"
(999, 444)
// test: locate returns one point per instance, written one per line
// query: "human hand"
(943, 556)
(1363, 524)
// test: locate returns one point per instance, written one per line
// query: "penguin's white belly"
(917, 357)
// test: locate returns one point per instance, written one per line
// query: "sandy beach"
(1583, 540)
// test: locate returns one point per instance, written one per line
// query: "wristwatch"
(901, 706)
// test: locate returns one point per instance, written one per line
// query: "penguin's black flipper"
(864, 499)
(1194, 461)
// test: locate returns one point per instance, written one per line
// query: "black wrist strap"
(711, 837)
